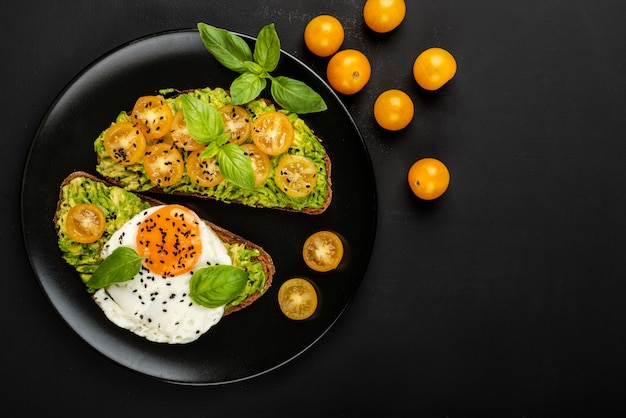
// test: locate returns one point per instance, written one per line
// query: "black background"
(503, 298)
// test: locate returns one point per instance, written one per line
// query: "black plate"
(246, 343)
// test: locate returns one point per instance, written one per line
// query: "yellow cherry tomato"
(384, 15)
(393, 110)
(297, 298)
(322, 251)
(433, 68)
(203, 171)
(179, 133)
(261, 164)
(295, 175)
(85, 223)
(124, 143)
(164, 164)
(348, 71)
(153, 116)
(428, 178)
(272, 133)
(323, 35)
(236, 122)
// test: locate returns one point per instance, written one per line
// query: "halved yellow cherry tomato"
(85, 222)
(428, 178)
(272, 133)
(180, 133)
(167, 139)
(124, 143)
(153, 116)
(384, 15)
(297, 298)
(323, 35)
(203, 171)
(348, 71)
(164, 164)
(433, 68)
(393, 110)
(296, 175)
(236, 122)
(323, 251)
(260, 163)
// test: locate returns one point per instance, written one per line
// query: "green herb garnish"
(120, 266)
(217, 285)
(206, 126)
(233, 52)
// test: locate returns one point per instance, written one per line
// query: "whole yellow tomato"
(428, 178)
(323, 35)
(348, 71)
(384, 15)
(393, 110)
(433, 68)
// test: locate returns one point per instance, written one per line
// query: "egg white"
(156, 307)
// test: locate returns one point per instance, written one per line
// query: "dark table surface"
(503, 298)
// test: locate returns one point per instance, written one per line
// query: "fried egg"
(155, 303)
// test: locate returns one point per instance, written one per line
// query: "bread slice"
(226, 236)
(158, 190)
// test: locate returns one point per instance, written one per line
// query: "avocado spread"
(119, 206)
(133, 177)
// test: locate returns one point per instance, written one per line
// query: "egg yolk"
(170, 240)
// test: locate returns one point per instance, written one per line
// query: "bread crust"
(225, 235)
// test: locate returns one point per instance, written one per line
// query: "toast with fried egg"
(154, 304)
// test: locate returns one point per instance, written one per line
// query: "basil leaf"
(203, 120)
(236, 166)
(267, 48)
(228, 49)
(215, 286)
(120, 266)
(234, 53)
(213, 148)
(246, 88)
(296, 96)
(210, 151)
(255, 68)
(222, 139)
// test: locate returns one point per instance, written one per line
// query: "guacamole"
(133, 177)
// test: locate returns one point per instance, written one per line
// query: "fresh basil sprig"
(233, 52)
(120, 266)
(217, 285)
(206, 126)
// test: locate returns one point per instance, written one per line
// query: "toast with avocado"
(95, 219)
(197, 143)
